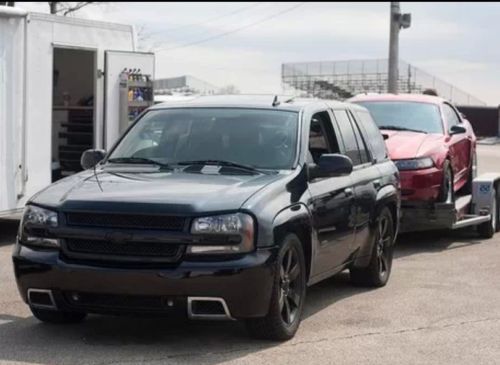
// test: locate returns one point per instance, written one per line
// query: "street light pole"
(398, 21)
(393, 75)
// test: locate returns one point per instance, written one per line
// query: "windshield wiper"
(138, 160)
(397, 128)
(220, 163)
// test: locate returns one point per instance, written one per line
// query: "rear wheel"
(447, 194)
(55, 316)
(287, 299)
(378, 271)
(472, 174)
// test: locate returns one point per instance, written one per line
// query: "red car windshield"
(405, 116)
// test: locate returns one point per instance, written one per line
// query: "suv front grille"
(130, 249)
(137, 221)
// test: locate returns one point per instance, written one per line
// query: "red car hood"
(402, 145)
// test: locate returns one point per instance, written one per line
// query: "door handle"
(348, 191)
(376, 183)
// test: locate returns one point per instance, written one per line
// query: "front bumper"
(245, 283)
(421, 185)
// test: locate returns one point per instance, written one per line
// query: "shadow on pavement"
(102, 339)
(118, 340)
(435, 241)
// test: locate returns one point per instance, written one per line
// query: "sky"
(455, 41)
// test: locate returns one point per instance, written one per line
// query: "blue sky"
(456, 42)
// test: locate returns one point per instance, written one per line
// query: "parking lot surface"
(441, 306)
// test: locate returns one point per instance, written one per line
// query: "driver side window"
(450, 116)
(321, 137)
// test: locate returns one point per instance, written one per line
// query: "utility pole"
(398, 21)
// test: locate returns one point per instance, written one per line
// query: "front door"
(332, 202)
(460, 146)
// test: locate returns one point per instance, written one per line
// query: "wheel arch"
(388, 197)
(296, 219)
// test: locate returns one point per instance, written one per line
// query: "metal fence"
(343, 79)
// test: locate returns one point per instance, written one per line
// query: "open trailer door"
(115, 63)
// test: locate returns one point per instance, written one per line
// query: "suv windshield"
(253, 137)
(405, 115)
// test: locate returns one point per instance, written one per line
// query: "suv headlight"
(414, 163)
(35, 225)
(228, 233)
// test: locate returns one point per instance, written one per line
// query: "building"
(184, 84)
(343, 79)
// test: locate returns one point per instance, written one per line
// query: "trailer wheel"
(488, 229)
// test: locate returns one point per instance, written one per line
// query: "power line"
(240, 10)
(220, 35)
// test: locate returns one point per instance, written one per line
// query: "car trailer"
(479, 209)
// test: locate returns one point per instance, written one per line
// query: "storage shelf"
(143, 84)
(138, 104)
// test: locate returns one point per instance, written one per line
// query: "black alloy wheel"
(288, 295)
(384, 246)
(290, 286)
(378, 271)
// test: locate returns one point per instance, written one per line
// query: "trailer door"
(115, 62)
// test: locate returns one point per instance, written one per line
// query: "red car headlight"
(414, 163)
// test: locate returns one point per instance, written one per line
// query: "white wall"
(11, 92)
(44, 33)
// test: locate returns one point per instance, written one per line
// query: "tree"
(66, 8)
(7, 3)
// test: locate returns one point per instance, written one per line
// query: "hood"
(404, 145)
(152, 190)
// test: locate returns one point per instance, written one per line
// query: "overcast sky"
(457, 42)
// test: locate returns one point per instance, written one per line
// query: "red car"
(430, 142)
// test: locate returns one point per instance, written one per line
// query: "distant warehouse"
(344, 79)
(184, 84)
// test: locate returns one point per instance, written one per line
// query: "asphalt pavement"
(441, 306)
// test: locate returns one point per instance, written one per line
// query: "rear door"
(115, 63)
(460, 145)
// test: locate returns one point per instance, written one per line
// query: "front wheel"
(287, 299)
(377, 273)
(447, 193)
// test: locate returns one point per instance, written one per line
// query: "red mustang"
(432, 145)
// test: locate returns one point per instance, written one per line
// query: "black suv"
(215, 208)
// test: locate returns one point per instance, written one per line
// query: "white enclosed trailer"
(59, 94)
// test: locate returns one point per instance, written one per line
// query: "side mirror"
(90, 158)
(331, 164)
(457, 129)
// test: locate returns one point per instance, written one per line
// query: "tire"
(488, 229)
(288, 296)
(447, 193)
(467, 189)
(377, 273)
(58, 317)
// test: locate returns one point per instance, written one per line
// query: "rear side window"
(351, 149)
(363, 149)
(373, 134)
